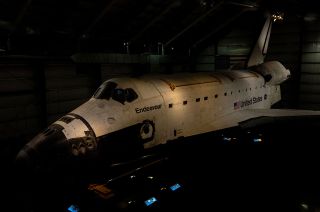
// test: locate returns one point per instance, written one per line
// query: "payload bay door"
(161, 123)
(175, 112)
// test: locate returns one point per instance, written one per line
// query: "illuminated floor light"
(226, 139)
(73, 208)
(163, 188)
(175, 187)
(131, 202)
(305, 206)
(150, 201)
(257, 140)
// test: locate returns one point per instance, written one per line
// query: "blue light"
(150, 201)
(73, 208)
(175, 187)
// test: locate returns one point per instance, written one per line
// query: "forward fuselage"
(175, 105)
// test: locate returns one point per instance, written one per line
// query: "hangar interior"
(54, 54)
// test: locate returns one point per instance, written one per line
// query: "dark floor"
(264, 165)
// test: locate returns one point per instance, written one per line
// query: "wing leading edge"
(236, 118)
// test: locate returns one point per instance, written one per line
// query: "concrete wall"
(236, 46)
(310, 66)
(205, 60)
(19, 105)
(66, 89)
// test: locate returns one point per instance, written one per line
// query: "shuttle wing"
(234, 119)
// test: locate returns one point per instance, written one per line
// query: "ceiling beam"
(221, 26)
(194, 23)
(20, 16)
(154, 20)
(98, 18)
(252, 5)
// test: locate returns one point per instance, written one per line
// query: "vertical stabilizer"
(260, 48)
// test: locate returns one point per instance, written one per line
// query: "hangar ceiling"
(59, 27)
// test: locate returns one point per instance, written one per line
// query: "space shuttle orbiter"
(127, 115)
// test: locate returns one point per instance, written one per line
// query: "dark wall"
(19, 103)
(310, 66)
(33, 95)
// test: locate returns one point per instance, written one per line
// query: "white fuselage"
(176, 105)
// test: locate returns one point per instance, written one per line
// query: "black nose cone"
(40, 178)
(45, 150)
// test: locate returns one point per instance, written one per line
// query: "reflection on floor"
(264, 165)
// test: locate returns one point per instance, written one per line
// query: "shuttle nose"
(44, 150)
(44, 169)
(288, 73)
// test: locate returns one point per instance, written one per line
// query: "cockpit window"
(105, 91)
(110, 90)
(119, 95)
(131, 95)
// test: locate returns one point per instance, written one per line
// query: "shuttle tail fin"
(260, 49)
